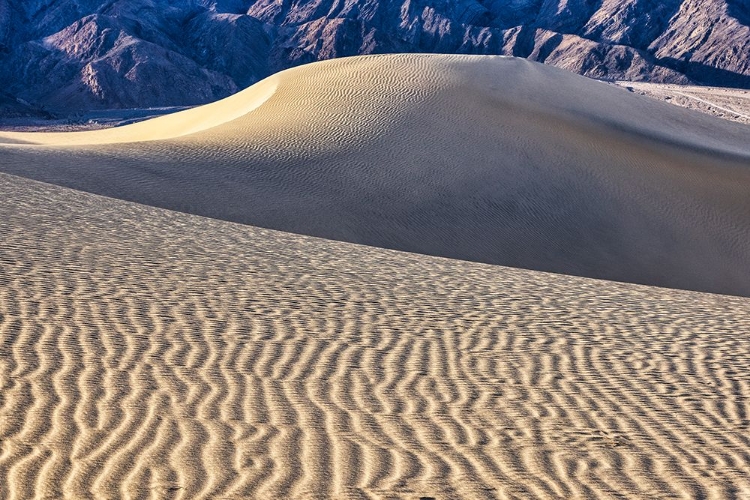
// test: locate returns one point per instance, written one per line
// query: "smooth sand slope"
(190, 121)
(151, 354)
(487, 159)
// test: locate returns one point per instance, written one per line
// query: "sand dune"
(146, 353)
(170, 126)
(487, 159)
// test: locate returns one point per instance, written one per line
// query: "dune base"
(146, 353)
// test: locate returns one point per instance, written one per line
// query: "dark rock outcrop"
(64, 55)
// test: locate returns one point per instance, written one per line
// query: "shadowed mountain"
(71, 55)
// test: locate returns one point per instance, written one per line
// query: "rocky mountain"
(65, 55)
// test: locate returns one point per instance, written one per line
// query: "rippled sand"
(146, 353)
(488, 159)
(150, 353)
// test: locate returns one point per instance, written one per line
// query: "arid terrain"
(482, 158)
(335, 284)
(153, 354)
(727, 103)
(62, 57)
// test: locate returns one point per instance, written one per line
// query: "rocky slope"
(65, 55)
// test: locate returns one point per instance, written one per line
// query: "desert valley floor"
(164, 333)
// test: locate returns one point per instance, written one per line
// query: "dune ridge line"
(171, 126)
(489, 159)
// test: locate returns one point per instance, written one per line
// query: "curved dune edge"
(222, 112)
(161, 128)
(480, 158)
(151, 354)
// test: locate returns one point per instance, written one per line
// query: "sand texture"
(146, 353)
(728, 103)
(152, 347)
(489, 159)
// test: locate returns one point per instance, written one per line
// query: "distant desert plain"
(382, 277)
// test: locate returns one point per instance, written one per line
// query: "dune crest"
(489, 159)
(161, 128)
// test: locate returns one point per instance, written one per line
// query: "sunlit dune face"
(162, 128)
(488, 159)
(150, 349)
(149, 353)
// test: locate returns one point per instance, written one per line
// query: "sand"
(727, 103)
(489, 159)
(146, 353)
(189, 121)
(150, 351)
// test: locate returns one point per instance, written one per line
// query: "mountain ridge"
(64, 56)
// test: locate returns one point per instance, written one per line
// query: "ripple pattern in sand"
(488, 159)
(152, 354)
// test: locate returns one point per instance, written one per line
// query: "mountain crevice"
(63, 56)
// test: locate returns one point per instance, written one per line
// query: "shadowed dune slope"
(488, 159)
(146, 353)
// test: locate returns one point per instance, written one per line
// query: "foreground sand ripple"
(152, 354)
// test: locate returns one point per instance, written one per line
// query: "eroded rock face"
(65, 55)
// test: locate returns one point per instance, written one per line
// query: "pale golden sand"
(152, 354)
(489, 159)
(147, 353)
(187, 122)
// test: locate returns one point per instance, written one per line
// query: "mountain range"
(58, 57)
